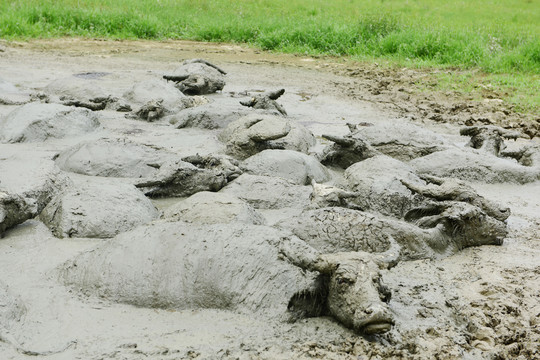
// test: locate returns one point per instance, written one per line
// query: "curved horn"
(175, 78)
(432, 179)
(469, 131)
(202, 61)
(274, 95)
(300, 254)
(352, 127)
(429, 209)
(339, 140)
(414, 188)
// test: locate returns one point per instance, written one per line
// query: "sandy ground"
(483, 303)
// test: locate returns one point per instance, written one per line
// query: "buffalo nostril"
(374, 309)
(376, 318)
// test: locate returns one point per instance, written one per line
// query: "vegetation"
(498, 37)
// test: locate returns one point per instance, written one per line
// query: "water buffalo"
(14, 210)
(438, 159)
(256, 132)
(489, 138)
(207, 207)
(529, 155)
(456, 190)
(113, 158)
(474, 165)
(239, 267)
(190, 175)
(97, 209)
(349, 287)
(37, 122)
(266, 101)
(440, 230)
(198, 77)
(393, 188)
(291, 165)
(402, 141)
(27, 184)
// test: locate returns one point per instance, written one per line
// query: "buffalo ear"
(310, 302)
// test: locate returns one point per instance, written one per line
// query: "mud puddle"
(481, 303)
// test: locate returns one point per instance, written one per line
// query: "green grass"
(496, 36)
(499, 37)
(520, 90)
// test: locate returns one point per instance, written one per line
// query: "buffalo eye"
(342, 280)
(385, 293)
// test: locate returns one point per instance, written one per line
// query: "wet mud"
(385, 252)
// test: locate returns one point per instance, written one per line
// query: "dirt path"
(483, 303)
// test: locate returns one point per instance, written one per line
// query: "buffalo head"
(353, 291)
(467, 225)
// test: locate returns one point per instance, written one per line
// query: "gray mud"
(480, 303)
